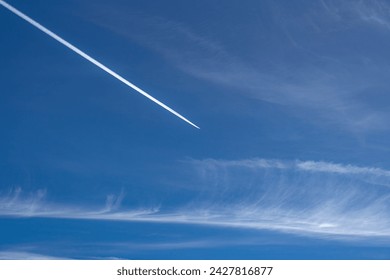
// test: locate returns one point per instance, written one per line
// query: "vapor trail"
(92, 60)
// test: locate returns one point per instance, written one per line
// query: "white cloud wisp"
(320, 199)
(333, 88)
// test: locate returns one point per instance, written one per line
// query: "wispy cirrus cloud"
(25, 255)
(174, 245)
(374, 12)
(315, 197)
(323, 84)
(34, 204)
(315, 166)
(311, 198)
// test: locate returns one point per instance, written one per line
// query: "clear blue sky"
(291, 161)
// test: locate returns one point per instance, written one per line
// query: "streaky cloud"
(166, 245)
(310, 198)
(25, 255)
(92, 60)
(315, 166)
(342, 169)
(328, 87)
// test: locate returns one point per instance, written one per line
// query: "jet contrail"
(92, 60)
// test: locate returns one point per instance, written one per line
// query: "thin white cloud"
(113, 202)
(375, 12)
(34, 204)
(320, 199)
(315, 166)
(325, 86)
(165, 245)
(342, 169)
(306, 196)
(24, 255)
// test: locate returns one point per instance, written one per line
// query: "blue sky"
(291, 161)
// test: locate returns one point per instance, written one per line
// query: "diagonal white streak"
(92, 60)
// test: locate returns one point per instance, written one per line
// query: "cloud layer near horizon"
(313, 198)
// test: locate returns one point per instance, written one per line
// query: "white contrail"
(90, 59)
